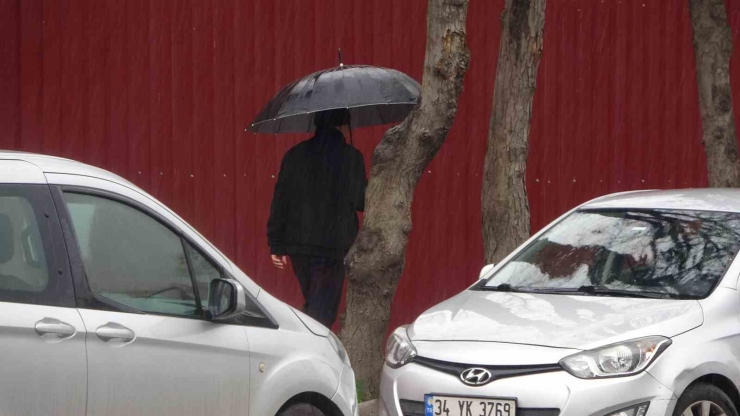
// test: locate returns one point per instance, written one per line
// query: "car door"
(150, 350)
(42, 335)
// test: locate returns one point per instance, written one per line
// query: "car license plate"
(438, 405)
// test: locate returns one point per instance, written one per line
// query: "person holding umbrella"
(321, 184)
(313, 217)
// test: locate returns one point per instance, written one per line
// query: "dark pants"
(321, 281)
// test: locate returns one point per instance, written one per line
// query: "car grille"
(497, 371)
(414, 408)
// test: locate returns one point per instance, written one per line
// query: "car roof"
(53, 164)
(707, 199)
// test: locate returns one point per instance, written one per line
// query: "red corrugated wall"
(159, 91)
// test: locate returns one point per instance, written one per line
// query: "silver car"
(626, 306)
(110, 304)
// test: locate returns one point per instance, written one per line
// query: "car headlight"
(339, 348)
(636, 410)
(399, 350)
(621, 359)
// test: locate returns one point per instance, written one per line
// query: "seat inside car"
(7, 249)
(22, 266)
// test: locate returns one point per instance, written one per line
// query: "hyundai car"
(627, 305)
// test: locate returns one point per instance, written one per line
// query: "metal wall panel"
(159, 91)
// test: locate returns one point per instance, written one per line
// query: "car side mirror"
(485, 270)
(225, 300)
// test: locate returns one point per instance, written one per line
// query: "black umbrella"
(372, 95)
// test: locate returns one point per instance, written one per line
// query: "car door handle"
(54, 330)
(115, 334)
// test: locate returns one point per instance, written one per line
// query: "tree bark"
(505, 208)
(376, 260)
(712, 50)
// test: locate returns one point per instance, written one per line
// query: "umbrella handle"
(349, 122)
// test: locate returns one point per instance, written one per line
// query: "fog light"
(636, 410)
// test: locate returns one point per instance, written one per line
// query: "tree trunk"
(376, 260)
(712, 49)
(505, 207)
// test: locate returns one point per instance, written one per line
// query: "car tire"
(704, 395)
(302, 409)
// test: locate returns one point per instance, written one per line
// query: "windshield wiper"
(605, 291)
(586, 290)
(503, 287)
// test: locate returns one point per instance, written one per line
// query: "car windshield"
(626, 252)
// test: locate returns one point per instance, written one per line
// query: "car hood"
(561, 321)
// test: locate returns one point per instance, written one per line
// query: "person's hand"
(279, 261)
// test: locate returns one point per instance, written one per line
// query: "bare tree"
(713, 49)
(505, 207)
(376, 261)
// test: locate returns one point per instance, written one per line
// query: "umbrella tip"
(339, 53)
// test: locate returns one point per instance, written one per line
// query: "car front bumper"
(555, 393)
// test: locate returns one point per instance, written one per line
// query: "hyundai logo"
(476, 376)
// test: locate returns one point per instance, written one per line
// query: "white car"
(110, 304)
(626, 306)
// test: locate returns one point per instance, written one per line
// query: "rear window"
(22, 257)
(682, 253)
(32, 256)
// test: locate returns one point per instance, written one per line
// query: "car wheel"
(704, 399)
(302, 409)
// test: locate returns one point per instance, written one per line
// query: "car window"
(131, 258)
(32, 263)
(22, 257)
(23, 263)
(204, 272)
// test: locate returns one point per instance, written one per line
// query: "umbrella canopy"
(372, 95)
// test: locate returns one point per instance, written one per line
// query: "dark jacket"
(319, 190)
